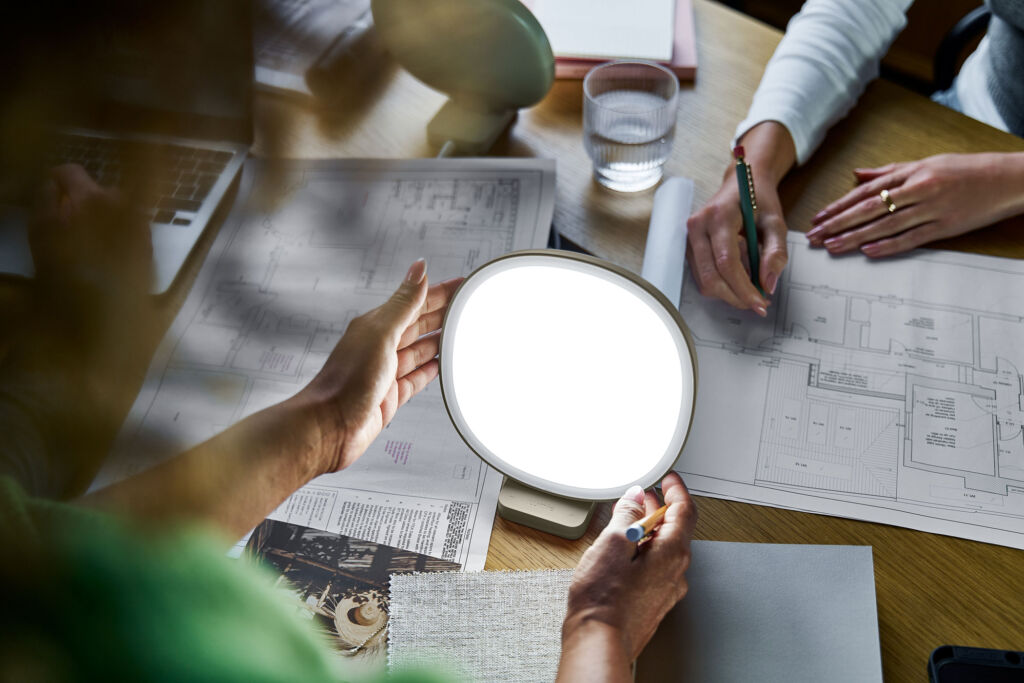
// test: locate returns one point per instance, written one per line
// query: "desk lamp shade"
(568, 374)
(491, 57)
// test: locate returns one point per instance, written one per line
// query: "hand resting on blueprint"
(620, 592)
(234, 480)
(933, 198)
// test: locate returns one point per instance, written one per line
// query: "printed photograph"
(339, 583)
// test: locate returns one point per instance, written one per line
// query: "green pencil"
(748, 205)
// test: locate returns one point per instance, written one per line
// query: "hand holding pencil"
(736, 258)
(625, 592)
(638, 531)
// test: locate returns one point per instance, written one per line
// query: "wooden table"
(931, 590)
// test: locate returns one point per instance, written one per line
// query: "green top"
(87, 597)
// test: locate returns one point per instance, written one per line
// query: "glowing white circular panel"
(567, 375)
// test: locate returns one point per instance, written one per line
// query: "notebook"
(682, 59)
(604, 29)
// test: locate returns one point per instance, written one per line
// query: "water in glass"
(628, 145)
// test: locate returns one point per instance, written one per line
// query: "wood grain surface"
(932, 590)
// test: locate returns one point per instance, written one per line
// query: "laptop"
(173, 104)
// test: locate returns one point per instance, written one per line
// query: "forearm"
(234, 480)
(594, 652)
(770, 152)
(1011, 172)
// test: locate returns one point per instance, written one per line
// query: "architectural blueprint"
(888, 391)
(310, 245)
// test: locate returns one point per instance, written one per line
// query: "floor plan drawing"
(882, 390)
(308, 247)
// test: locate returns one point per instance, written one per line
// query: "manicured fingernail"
(770, 284)
(871, 249)
(761, 310)
(818, 217)
(834, 242)
(635, 492)
(815, 235)
(416, 272)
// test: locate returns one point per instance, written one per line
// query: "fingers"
(389, 406)
(628, 510)
(867, 209)
(441, 294)
(911, 239)
(681, 516)
(402, 309)
(432, 313)
(727, 261)
(73, 180)
(425, 324)
(886, 226)
(702, 266)
(651, 502)
(84, 234)
(67, 190)
(414, 382)
(774, 255)
(674, 489)
(716, 253)
(866, 193)
(869, 220)
(418, 353)
(866, 174)
(74, 186)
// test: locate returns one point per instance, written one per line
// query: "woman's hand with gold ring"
(887, 200)
(921, 201)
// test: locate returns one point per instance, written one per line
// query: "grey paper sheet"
(766, 613)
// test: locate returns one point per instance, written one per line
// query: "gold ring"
(887, 200)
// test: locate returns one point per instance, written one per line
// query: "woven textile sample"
(472, 625)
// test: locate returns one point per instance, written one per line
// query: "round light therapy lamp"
(491, 57)
(571, 376)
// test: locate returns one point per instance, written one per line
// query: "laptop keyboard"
(180, 177)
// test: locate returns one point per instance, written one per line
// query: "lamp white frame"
(657, 302)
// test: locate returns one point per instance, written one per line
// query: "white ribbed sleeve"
(831, 50)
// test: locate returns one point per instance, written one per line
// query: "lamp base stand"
(547, 512)
(471, 129)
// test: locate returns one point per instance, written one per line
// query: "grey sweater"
(1006, 61)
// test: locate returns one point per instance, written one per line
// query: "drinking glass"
(629, 122)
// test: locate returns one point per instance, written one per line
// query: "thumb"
(628, 510)
(774, 253)
(402, 309)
